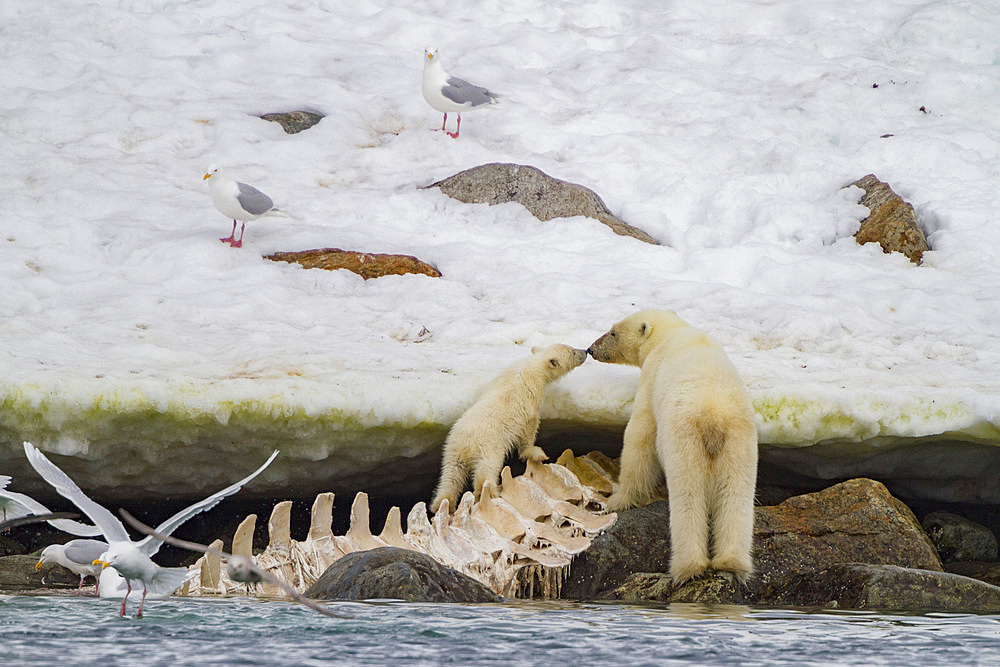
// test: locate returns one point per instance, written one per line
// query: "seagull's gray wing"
(111, 527)
(241, 564)
(253, 200)
(150, 545)
(85, 552)
(461, 91)
(35, 518)
(17, 505)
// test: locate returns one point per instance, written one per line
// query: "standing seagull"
(77, 556)
(131, 559)
(238, 201)
(449, 93)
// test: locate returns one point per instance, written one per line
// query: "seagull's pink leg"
(97, 586)
(238, 244)
(142, 602)
(458, 128)
(232, 237)
(444, 122)
(79, 588)
(128, 589)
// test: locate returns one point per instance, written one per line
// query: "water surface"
(88, 631)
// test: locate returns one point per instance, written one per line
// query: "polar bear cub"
(693, 419)
(505, 417)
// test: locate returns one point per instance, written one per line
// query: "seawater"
(238, 631)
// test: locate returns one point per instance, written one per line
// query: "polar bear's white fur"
(692, 419)
(505, 417)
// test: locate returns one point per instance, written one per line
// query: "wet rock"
(886, 587)
(638, 542)
(10, 547)
(891, 222)
(367, 265)
(714, 588)
(959, 539)
(18, 572)
(294, 122)
(398, 574)
(545, 197)
(857, 521)
(988, 572)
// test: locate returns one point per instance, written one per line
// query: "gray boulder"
(293, 122)
(397, 574)
(545, 197)
(959, 539)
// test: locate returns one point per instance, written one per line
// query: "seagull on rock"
(131, 559)
(449, 93)
(238, 201)
(77, 556)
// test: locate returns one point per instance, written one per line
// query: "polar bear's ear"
(644, 329)
(554, 362)
(536, 350)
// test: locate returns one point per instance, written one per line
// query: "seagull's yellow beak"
(207, 176)
(102, 563)
(38, 565)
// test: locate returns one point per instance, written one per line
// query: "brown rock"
(367, 265)
(294, 122)
(891, 222)
(545, 197)
(857, 521)
(18, 572)
(714, 588)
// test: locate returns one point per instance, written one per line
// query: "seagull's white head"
(106, 559)
(47, 554)
(212, 171)
(431, 56)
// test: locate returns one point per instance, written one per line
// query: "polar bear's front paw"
(618, 502)
(534, 453)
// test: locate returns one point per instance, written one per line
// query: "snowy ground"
(726, 130)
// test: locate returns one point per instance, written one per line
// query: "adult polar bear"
(693, 419)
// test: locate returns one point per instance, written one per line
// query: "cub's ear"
(644, 329)
(536, 350)
(554, 362)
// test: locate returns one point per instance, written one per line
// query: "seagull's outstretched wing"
(256, 574)
(36, 518)
(110, 527)
(151, 544)
(16, 505)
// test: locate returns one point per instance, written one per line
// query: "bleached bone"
(586, 471)
(243, 539)
(531, 501)
(211, 570)
(321, 519)
(392, 531)
(518, 539)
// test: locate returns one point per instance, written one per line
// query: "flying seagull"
(16, 505)
(449, 93)
(239, 568)
(238, 201)
(77, 556)
(131, 559)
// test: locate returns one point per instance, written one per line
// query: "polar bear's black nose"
(590, 351)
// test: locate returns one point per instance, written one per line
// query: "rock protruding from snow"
(294, 122)
(891, 222)
(365, 264)
(544, 197)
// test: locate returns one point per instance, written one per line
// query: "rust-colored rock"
(544, 197)
(891, 222)
(365, 264)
